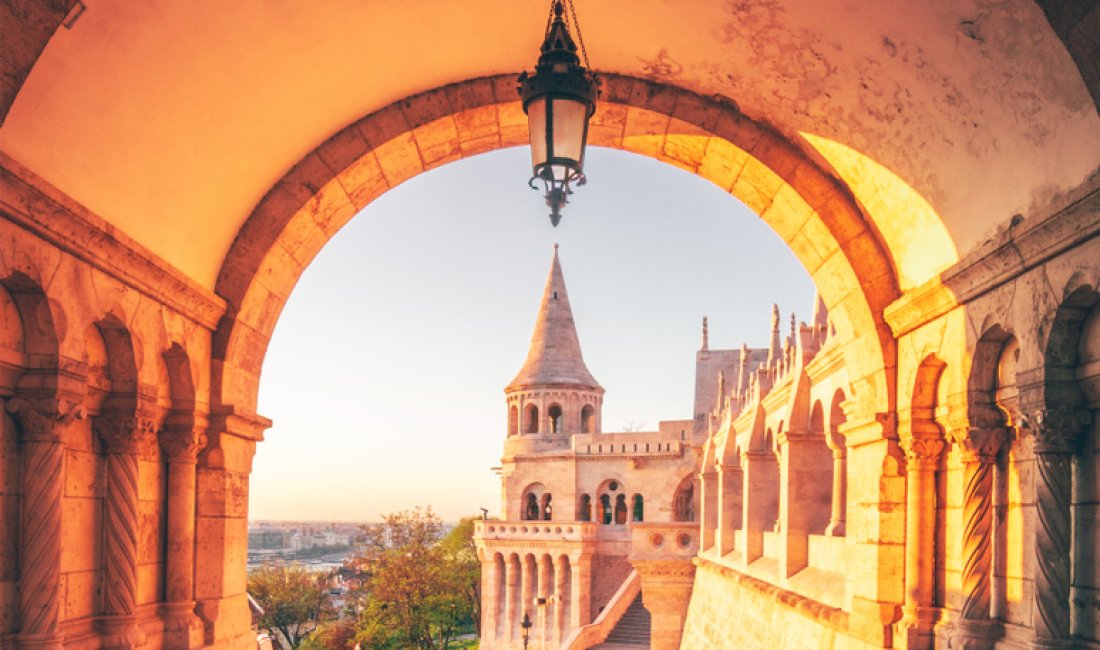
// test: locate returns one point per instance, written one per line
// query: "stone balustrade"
(534, 531)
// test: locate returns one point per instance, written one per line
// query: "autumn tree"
(418, 591)
(294, 600)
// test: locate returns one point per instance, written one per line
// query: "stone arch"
(684, 507)
(926, 563)
(531, 418)
(588, 419)
(813, 212)
(513, 420)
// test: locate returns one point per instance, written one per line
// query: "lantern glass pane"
(569, 118)
(536, 124)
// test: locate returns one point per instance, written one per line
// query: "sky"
(386, 370)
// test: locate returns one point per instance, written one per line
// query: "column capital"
(44, 419)
(127, 430)
(183, 436)
(923, 452)
(978, 444)
(1057, 429)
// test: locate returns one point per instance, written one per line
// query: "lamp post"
(559, 98)
(526, 625)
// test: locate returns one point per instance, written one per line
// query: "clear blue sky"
(386, 371)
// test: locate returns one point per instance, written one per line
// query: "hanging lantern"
(559, 99)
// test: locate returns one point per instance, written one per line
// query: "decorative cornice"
(238, 422)
(1003, 257)
(34, 205)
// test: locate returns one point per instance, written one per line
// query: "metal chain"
(580, 37)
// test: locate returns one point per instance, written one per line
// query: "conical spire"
(554, 358)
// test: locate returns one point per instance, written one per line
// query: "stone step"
(632, 630)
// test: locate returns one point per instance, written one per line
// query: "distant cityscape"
(320, 546)
(317, 545)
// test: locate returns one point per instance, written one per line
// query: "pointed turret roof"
(554, 358)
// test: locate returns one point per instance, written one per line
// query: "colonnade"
(552, 590)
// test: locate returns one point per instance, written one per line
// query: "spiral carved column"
(1056, 433)
(979, 447)
(40, 605)
(922, 454)
(182, 438)
(124, 434)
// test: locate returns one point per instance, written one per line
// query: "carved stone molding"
(1058, 429)
(42, 420)
(183, 437)
(923, 453)
(125, 431)
(979, 444)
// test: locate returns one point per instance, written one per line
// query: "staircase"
(632, 630)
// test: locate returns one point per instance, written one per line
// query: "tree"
(462, 564)
(294, 601)
(418, 593)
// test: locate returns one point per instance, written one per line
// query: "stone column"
(124, 431)
(1057, 431)
(836, 527)
(490, 586)
(528, 576)
(221, 526)
(182, 437)
(708, 505)
(759, 496)
(561, 594)
(41, 600)
(543, 592)
(729, 505)
(581, 572)
(511, 589)
(979, 447)
(922, 454)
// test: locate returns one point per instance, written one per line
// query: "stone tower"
(554, 395)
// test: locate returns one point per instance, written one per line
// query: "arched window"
(683, 505)
(555, 418)
(547, 507)
(531, 419)
(605, 509)
(531, 509)
(620, 509)
(588, 419)
(513, 420)
(639, 508)
(584, 509)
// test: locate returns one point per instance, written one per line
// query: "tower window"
(555, 418)
(588, 419)
(531, 424)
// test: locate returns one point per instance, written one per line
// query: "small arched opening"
(638, 510)
(584, 508)
(588, 419)
(513, 420)
(531, 419)
(554, 413)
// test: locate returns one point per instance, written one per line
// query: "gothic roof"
(554, 358)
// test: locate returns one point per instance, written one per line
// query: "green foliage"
(422, 587)
(293, 599)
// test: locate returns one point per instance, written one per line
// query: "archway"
(803, 203)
